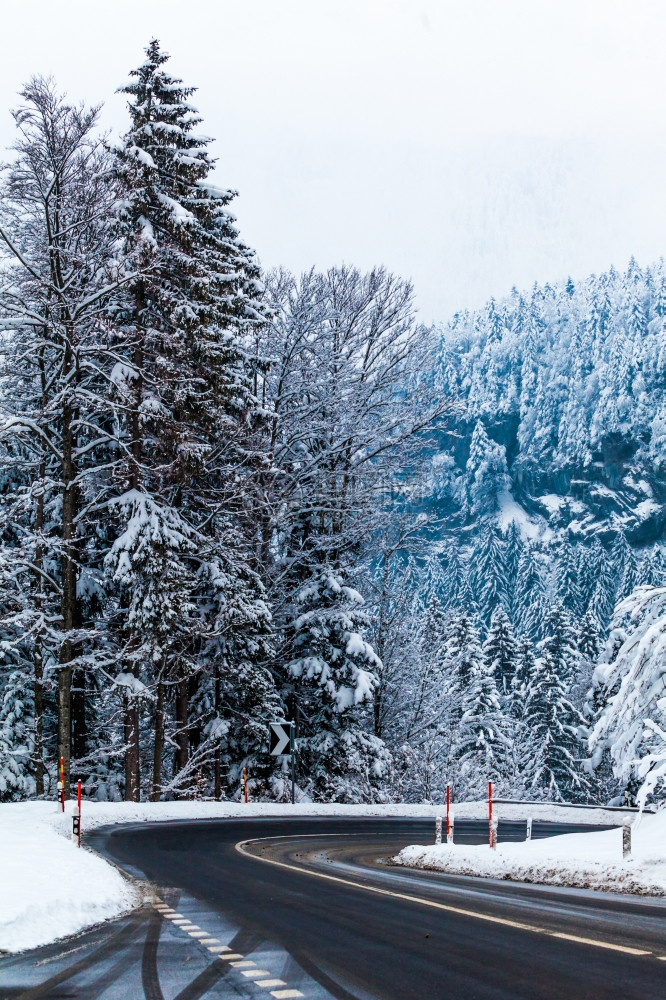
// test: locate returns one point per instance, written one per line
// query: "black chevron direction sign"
(282, 738)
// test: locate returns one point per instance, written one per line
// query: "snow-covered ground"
(589, 860)
(50, 889)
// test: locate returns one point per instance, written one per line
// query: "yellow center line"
(243, 845)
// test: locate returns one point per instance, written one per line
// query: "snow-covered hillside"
(568, 381)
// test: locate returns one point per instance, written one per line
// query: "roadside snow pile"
(49, 888)
(97, 814)
(583, 860)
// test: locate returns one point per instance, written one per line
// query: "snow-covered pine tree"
(488, 570)
(629, 681)
(592, 562)
(587, 637)
(621, 554)
(523, 677)
(529, 597)
(16, 736)
(499, 651)
(462, 646)
(185, 400)
(484, 737)
(487, 475)
(588, 643)
(603, 594)
(332, 670)
(560, 644)
(456, 578)
(630, 575)
(514, 549)
(652, 572)
(568, 579)
(553, 763)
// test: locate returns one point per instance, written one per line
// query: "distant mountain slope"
(563, 410)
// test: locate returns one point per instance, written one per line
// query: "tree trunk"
(158, 748)
(218, 752)
(38, 666)
(38, 655)
(79, 722)
(68, 606)
(64, 721)
(180, 757)
(132, 762)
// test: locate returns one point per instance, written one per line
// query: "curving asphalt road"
(309, 907)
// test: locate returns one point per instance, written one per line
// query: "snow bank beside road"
(50, 889)
(585, 860)
(97, 814)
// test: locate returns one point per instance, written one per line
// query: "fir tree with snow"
(331, 674)
(514, 549)
(487, 475)
(184, 397)
(484, 735)
(488, 570)
(631, 716)
(568, 580)
(529, 597)
(554, 762)
(499, 651)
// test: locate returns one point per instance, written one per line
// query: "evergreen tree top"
(152, 86)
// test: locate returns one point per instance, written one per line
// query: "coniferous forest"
(232, 496)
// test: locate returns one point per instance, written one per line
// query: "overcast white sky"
(469, 145)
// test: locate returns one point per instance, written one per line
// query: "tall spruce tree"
(332, 668)
(184, 398)
(499, 651)
(514, 552)
(568, 580)
(489, 570)
(484, 737)
(529, 597)
(553, 762)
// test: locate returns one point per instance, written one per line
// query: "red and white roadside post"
(76, 818)
(61, 783)
(492, 822)
(449, 824)
(245, 785)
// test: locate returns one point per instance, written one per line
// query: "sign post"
(492, 820)
(61, 783)
(448, 813)
(283, 745)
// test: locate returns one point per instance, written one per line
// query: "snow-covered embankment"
(585, 860)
